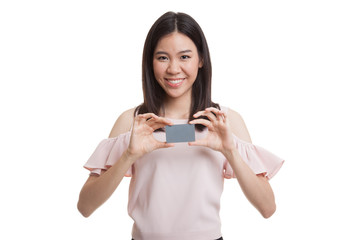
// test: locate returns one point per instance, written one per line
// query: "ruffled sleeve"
(260, 160)
(107, 153)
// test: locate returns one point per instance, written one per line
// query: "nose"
(174, 67)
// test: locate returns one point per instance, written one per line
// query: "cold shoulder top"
(174, 193)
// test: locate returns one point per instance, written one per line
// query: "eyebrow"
(181, 52)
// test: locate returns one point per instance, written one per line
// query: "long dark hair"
(153, 93)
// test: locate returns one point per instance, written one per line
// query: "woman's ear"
(201, 63)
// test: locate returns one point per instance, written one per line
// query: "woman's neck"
(176, 108)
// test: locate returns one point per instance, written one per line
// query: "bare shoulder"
(123, 123)
(238, 126)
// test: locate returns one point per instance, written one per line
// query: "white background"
(69, 68)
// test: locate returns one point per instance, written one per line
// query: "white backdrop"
(69, 68)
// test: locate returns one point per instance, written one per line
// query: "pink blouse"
(174, 193)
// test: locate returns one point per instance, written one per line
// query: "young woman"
(175, 188)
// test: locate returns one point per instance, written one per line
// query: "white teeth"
(175, 81)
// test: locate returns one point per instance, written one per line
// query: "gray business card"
(180, 133)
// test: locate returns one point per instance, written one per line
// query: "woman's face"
(176, 63)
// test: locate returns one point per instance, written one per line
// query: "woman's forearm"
(256, 188)
(99, 188)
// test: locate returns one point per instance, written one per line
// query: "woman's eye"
(185, 57)
(162, 58)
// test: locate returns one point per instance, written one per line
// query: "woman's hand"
(219, 137)
(142, 140)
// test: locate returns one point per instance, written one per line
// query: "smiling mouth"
(174, 82)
